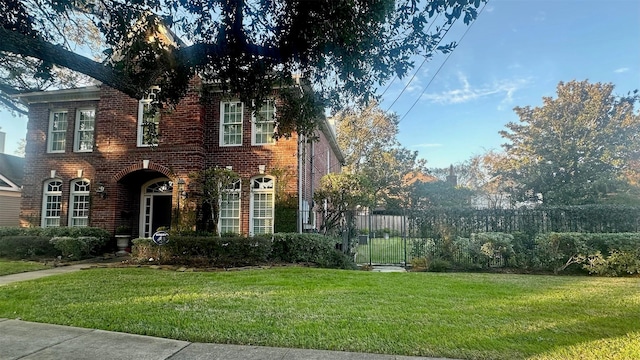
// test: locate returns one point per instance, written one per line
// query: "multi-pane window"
(231, 124)
(264, 124)
(262, 196)
(148, 118)
(230, 209)
(57, 131)
(79, 203)
(52, 203)
(85, 124)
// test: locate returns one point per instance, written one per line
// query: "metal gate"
(382, 240)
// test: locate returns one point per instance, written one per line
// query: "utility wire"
(423, 62)
(442, 65)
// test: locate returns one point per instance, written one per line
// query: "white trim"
(45, 193)
(147, 99)
(72, 203)
(222, 125)
(254, 122)
(50, 131)
(143, 224)
(76, 133)
(253, 191)
(89, 93)
(12, 186)
(238, 191)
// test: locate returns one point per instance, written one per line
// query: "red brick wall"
(189, 141)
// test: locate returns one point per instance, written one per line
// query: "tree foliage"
(576, 148)
(209, 185)
(368, 138)
(343, 47)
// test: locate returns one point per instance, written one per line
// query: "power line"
(423, 62)
(442, 65)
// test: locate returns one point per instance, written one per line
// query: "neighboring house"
(11, 170)
(90, 161)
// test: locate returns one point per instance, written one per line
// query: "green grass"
(458, 315)
(8, 267)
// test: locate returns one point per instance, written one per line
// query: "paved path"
(34, 341)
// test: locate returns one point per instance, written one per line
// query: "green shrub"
(618, 263)
(76, 248)
(26, 247)
(302, 248)
(439, 265)
(144, 250)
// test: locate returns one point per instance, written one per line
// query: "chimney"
(452, 178)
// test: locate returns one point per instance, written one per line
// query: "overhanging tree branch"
(17, 43)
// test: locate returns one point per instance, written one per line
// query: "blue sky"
(513, 55)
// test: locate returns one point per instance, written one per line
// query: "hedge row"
(66, 242)
(208, 251)
(611, 254)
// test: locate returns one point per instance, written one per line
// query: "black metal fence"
(392, 238)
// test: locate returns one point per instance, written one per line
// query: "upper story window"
(79, 203)
(52, 203)
(231, 123)
(85, 125)
(57, 131)
(264, 124)
(148, 119)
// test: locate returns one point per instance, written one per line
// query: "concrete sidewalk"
(28, 340)
(8, 279)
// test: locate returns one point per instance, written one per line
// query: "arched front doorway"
(155, 206)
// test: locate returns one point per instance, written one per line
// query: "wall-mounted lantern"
(101, 191)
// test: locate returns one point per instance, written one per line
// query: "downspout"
(300, 180)
(311, 175)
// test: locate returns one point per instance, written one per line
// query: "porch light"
(101, 191)
(261, 168)
(183, 194)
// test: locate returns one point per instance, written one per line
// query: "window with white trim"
(58, 123)
(79, 203)
(230, 209)
(52, 203)
(85, 125)
(262, 203)
(148, 119)
(231, 123)
(263, 124)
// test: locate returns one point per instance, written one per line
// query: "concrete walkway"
(8, 279)
(34, 341)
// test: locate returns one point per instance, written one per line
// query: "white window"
(230, 209)
(85, 125)
(231, 123)
(52, 203)
(264, 124)
(57, 131)
(261, 207)
(148, 119)
(79, 203)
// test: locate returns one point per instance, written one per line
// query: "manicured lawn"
(13, 267)
(458, 315)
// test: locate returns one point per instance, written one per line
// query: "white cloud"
(467, 92)
(621, 70)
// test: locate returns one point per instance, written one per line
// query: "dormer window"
(148, 118)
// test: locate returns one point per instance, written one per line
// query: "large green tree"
(368, 137)
(575, 148)
(343, 47)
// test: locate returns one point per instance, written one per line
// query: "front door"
(156, 206)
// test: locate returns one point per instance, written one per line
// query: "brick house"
(88, 161)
